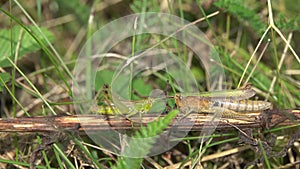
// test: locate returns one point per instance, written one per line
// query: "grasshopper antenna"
(167, 88)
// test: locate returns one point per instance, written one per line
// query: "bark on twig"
(194, 121)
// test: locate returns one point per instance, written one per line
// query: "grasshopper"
(124, 107)
(131, 108)
(231, 104)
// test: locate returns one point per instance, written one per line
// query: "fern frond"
(141, 142)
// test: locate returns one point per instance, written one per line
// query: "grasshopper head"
(178, 98)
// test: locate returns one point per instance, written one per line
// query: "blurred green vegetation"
(46, 48)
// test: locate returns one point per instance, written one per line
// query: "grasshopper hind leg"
(227, 113)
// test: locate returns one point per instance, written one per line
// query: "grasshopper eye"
(177, 96)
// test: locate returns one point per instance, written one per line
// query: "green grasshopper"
(124, 107)
(132, 107)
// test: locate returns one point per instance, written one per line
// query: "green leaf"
(141, 87)
(77, 7)
(27, 43)
(288, 24)
(242, 12)
(103, 77)
(4, 77)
